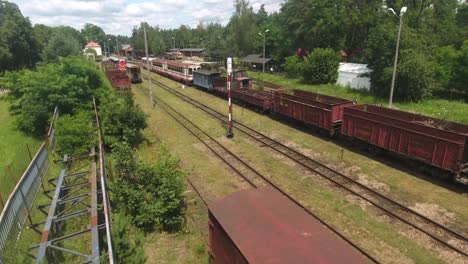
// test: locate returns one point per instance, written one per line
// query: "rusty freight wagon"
(321, 111)
(263, 226)
(260, 99)
(441, 144)
(118, 78)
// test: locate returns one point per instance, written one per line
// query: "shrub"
(293, 65)
(69, 84)
(414, 80)
(127, 249)
(321, 66)
(153, 193)
(75, 134)
(122, 120)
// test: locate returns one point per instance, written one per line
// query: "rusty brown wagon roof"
(267, 227)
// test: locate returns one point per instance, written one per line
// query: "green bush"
(321, 66)
(69, 84)
(75, 134)
(153, 193)
(122, 120)
(414, 80)
(127, 249)
(293, 66)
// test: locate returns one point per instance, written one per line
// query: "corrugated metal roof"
(193, 49)
(255, 58)
(267, 227)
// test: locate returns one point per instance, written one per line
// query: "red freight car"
(325, 112)
(259, 99)
(436, 142)
(263, 226)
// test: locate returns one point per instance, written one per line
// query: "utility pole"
(147, 67)
(104, 48)
(264, 36)
(229, 79)
(117, 47)
(392, 87)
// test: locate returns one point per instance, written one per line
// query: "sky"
(118, 17)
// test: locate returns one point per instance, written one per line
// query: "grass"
(372, 232)
(456, 111)
(13, 151)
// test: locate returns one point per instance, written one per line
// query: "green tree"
(154, 194)
(321, 66)
(122, 120)
(18, 47)
(127, 248)
(69, 84)
(75, 135)
(293, 66)
(242, 29)
(91, 32)
(62, 44)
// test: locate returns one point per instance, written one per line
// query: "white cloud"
(120, 16)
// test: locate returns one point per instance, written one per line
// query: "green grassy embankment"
(13, 151)
(440, 108)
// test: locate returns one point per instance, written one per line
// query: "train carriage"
(178, 71)
(324, 112)
(204, 78)
(438, 143)
(133, 72)
(263, 226)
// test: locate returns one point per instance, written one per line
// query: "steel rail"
(276, 187)
(105, 197)
(197, 191)
(210, 147)
(342, 181)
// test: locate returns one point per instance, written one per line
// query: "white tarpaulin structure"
(352, 74)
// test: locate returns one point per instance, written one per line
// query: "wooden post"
(21, 192)
(1, 201)
(342, 153)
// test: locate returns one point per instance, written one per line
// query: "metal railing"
(19, 204)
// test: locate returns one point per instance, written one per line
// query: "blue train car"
(204, 78)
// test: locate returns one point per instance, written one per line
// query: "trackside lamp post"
(392, 87)
(229, 80)
(263, 35)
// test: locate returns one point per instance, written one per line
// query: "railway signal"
(229, 80)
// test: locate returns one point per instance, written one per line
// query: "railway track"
(254, 178)
(441, 234)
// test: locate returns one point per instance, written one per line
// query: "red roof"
(267, 227)
(92, 45)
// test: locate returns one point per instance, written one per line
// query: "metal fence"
(21, 200)
(18, 206)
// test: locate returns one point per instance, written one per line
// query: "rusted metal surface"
(118, 78)
(263, 226)
(260, 99)
(321, 111)
(436, 142)
(104, 193)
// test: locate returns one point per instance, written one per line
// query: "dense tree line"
(433, 53)
(23, 45)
